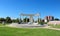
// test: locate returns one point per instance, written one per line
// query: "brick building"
(49, 18)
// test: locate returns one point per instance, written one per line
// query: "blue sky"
(13, 8)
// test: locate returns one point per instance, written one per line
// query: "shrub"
(41, 23)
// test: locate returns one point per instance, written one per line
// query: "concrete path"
(54, 28)
(31, 26)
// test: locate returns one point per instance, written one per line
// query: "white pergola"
(30, 16)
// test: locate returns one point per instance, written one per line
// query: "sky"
(13, 8)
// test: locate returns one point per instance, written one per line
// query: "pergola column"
(38, 19)
(31, 19)
(26, 19)
(20, 19)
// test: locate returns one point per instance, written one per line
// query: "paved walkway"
(49, 27)
(36, 27)
(30, 26)
(54, 28)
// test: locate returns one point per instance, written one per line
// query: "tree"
(8, 20)
(17, 20)
(13, 20)
(41, 22)
(39, 19)
(2, 20)
(56, 19)
(26, 19)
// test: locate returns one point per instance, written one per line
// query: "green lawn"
(7, 31)
(3, 24)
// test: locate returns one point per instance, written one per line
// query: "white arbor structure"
(30, 16)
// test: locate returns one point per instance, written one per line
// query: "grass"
(7, 31)
(1, 24)
(4, 24)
